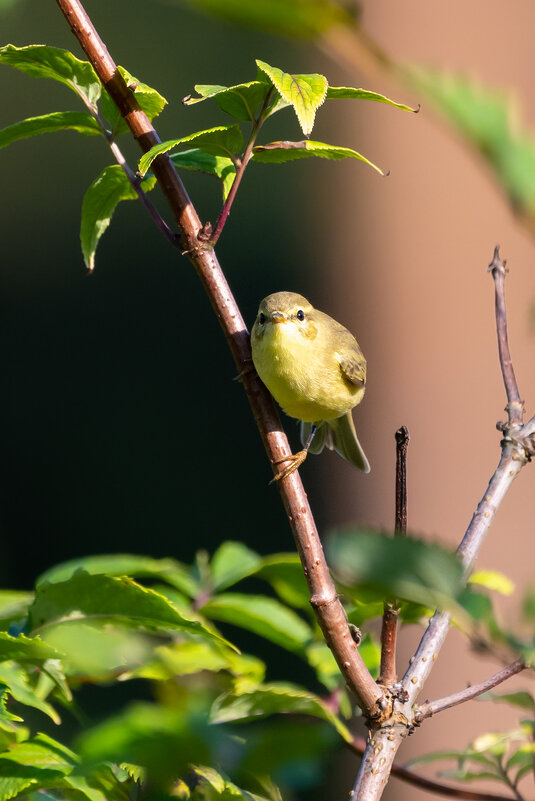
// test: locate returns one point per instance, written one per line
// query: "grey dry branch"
(324, 599)
(517, 447)
(431, 707)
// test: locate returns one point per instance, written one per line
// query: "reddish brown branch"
(515, 406)
(329, 611)
(389, 628)
(432, 707)
(358, 746)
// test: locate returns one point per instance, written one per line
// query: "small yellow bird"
(315, 370)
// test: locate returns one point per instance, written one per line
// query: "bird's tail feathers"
(345, 442)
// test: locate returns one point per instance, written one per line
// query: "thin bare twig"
(324, 599)
(432, 707)
(515, 406)
(389, 628)
(358, 746)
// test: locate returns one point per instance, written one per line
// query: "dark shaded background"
(122, 427)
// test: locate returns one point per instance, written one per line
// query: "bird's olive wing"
(352, 362)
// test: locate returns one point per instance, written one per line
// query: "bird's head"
(284, 314)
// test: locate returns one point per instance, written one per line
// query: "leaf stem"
(432, 707)
(244, 161)
(329, 611)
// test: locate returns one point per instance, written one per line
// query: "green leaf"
(492, 580)
(113, 598)
(400, 567)
(25, 649)
(263, 616)
(305, 93)
(284, 573)
(242, 101)
(150, 101)
(470, 776)
(223, 140)
(125, 564)
(220, 787)
(196, 159)
(487, 120)
(363, 94)
(524, 700)
(99, 203)
(13, 606)
(18, 684)
(42, 61)
(283, 151)
(78, 121)
(43, 753)
(232, 562)
(161, 739)
(524, 755)
(271, 699)
(295, 18)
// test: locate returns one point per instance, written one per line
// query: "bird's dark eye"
(300, 314)
(261, 318)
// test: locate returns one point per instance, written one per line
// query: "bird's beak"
(277, 317)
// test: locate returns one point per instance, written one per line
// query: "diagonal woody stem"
(329, 611)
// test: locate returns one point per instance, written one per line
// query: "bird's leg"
(296, 459)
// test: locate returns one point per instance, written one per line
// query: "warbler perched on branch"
(315, 370)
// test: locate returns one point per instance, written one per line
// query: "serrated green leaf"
(295, 18)
(274, 698)
(492, 580)
(488, 121)
(305, 93)
(196, 159)
(283, 151)
(284, 573)
(232, 562)
(363, 94)
(401, 567)
(115, 599)
(150, 101)
(18, 684)
(126, 564)
(25, 649)
(242, 101)
(223, 140)
(261, 615)
(44, 753)
(41, 61)
(79, 121)
(220, 786)
(100, 201)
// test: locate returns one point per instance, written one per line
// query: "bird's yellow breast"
(302, 371)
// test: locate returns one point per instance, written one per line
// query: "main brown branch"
(324, 599)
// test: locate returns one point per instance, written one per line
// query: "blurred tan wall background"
(409, 256)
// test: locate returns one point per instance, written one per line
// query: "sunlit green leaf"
(42, 61)
(285, 574)
(196, 159)
(113, 598)
(150, 101)
(231, 562)
(13, 606)
(100, 201)
(271, 699)
(241, 101)
(524, 700)
(262, 615)
(126, 564)
(492, 580)
(305, 93)
(295, 18)
(79, 121)
(223, 140)
(462, 775)
(220, 787)
(281, 152)
(363, 94)
(25, 649)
